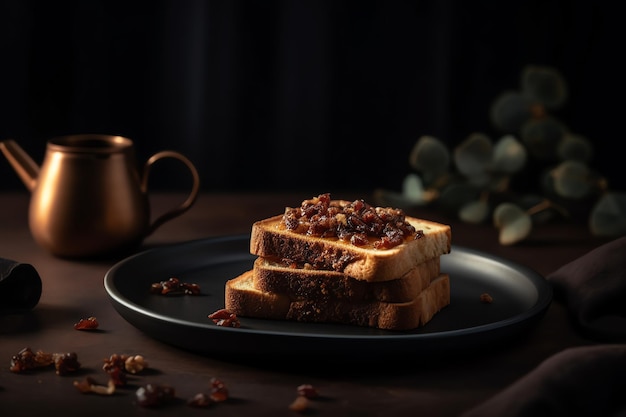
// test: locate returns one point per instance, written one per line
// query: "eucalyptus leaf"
(480, 179)
(546, 183)
(545, 85)
(513, 222)
(510, 111)
(430, 156)
(575, 147)
(413, 189)
(571, 180)
(455, 195)
(509, 155)
(608, 216)
(474, 212)
(473, 156)
(543, 136)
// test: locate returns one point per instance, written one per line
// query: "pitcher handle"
(191, 198)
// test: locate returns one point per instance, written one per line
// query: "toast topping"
(358, 222)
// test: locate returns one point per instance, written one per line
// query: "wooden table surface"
(415, 385)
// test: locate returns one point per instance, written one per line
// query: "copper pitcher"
(89, 197)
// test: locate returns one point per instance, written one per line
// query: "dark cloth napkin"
(20, 286)
(581, 381)
(584, 380)
(593, 287)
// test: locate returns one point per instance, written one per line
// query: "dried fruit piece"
(135, 364)
(26, 359)
(300, 404)
(200, 400)
(117, 375)
(89, 385)
(155, 395)
(486, 298)
(307, 390)
(219, 392)
(174, 286)
(89, 323)
(65, 363)
(225, 318)
(117, 366)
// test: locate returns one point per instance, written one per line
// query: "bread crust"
(244, 300)
(269, 239)
(313, 284)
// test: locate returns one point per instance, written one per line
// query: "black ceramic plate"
(520, 297)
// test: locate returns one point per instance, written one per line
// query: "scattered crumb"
(486, 298)
(300, 404)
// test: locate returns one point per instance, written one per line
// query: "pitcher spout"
(22, 163)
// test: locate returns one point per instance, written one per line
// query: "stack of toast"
(335, 261)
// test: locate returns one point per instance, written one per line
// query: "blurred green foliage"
(474, 180)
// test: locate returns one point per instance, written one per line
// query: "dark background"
(298, 95)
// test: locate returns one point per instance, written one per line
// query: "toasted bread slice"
(270, 239)
(315, 284)
(245, 300)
